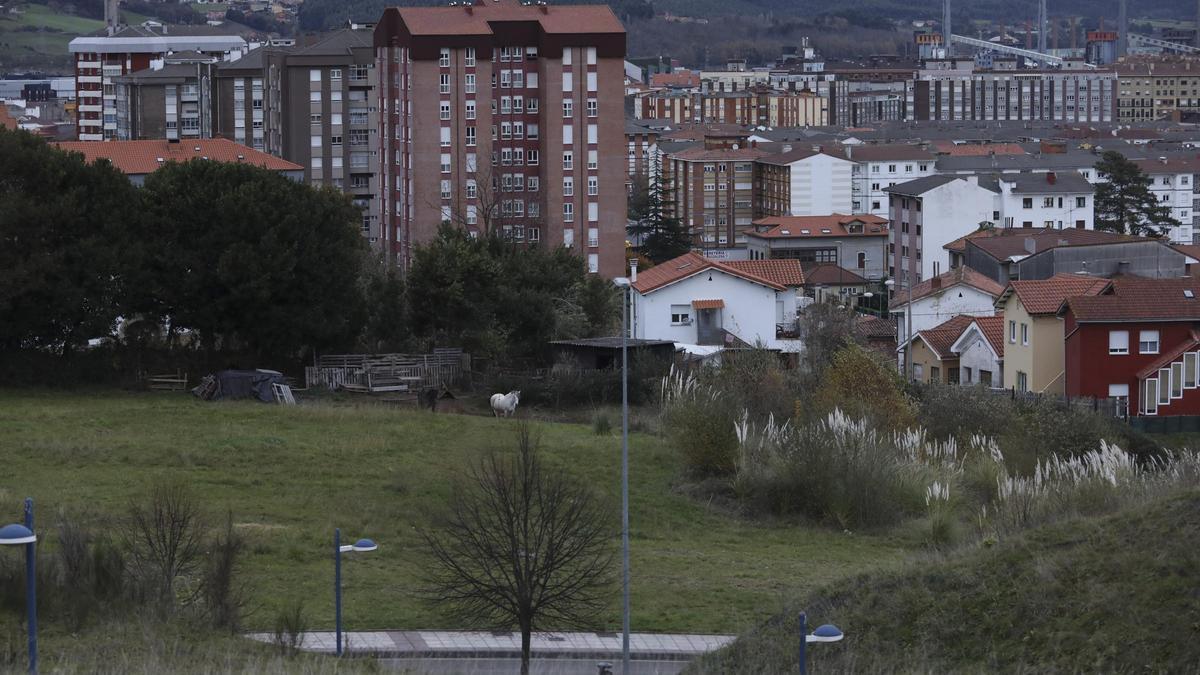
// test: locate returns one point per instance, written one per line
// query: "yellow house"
(1034, 348)
(933, 360)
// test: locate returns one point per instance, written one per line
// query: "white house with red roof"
(962, 290)
(693, 300)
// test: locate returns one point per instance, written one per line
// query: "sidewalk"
(408, 644)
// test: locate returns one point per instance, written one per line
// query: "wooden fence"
(389, 372)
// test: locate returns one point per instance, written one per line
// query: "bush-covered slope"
(1113, 594)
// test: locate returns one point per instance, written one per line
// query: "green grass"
(1112, 594)
(290, 475)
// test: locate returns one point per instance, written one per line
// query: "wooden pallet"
(176, 381)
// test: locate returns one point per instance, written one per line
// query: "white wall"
(870, 179)
(931, 310)
(1175, 191)
(821, 186)
(949, 212)
(977, 355)
(1014, 214)
(749, 313)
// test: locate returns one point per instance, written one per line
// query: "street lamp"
(626, 286)
(360, 546)
(891, 284)
(17, 535)
(825, 633)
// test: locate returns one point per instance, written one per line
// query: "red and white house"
(1137, 342)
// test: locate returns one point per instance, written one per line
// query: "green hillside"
(1114, 594)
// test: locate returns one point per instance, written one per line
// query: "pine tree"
(659, 235)
(1125, 204)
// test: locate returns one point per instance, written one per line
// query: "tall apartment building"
(878, 167)
(169, 100)
(1153, 90)
(315, 105)
(998, 95)
(756, 106)
(807, 181)
(505, 117)
(711, 191)
(102, 57)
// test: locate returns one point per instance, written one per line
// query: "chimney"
(1051, 177)
(935, 282)
(633, 270)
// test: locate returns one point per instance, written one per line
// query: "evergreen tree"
(1125, 204)
(659, 235)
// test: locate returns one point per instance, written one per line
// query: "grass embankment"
(1112, 594)
(37, 38)
(290, 475)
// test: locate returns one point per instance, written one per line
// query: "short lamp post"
(825, 633)
(360, 546)
(17, 535)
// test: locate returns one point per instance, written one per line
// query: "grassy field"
(290, 475)
(1111, 594)
(37, 39)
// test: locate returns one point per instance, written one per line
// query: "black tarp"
(235, 384)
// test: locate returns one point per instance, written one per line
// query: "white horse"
(505, 403)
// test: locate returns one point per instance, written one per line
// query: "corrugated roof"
(142, 157)
(1045, 296)
(782, 271)
(1005, 243)
(921, 185)
(687, 265)
(1070, 182)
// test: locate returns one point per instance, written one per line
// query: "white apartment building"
(804, 182)
(1173, 183)
(1051, 199)
(878, 167)
(928, 213)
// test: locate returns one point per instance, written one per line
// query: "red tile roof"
(960, 244)
(959, 275)
(942, 336)
(690, 264)
(1168, 358)
(475, 18)
(1139, 299)
(1192, 250)
(883, 153)
(1170, 165)
(831, 274)
(781, 271)
(708, 304)
(679, 78)
(142, 157)
(803, 227)
(992, 330)
(1045, 296)
(874, 328)
(945, 147)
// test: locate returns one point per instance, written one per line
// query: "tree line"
(224, 258)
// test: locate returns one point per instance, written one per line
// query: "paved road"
(563, 666)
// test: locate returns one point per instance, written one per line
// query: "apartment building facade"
(928, 213)
(169, 100)
(315, 105)
(1149, 91)
(1003, 95)
(101, 58)
(712, 192)
(878, 167)
(1173, 182)
(504, 117)
(805, 181)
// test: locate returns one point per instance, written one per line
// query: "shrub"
(290, 625)
(861, 385)
(224, 599)
(702, 429)
(165, 538)
(601, 425)
(962, 412)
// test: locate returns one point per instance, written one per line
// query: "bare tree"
(522, 546)
(165, 537)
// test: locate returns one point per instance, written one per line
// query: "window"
(1118, 342)
(531, 131)
(1164, 386)
(1150, 396)
(470, 114)
(445, 162)
(1027, 203)
(444, 110)
(316, 163)
(444, 83)
(593, 159)
(1012, 332)
(592, 107)
(469, 57)
(681, 315)
(568, 107)
(470, 136)
(593, 263)
(314, 75)
(314, 141)
(472, 188)
(935, 374)
(593, 237)
(1025, 334)
(1022, 381)
(314, 97)
(505, 105)
(1148, 342)
(593, 185)
(444, 58)
(532, 184)
(335, 140)
(445, 189)
(314, 118)
(531, 105)
(1189, 370)
(1081, 202)
(593, 134)
(1047, 202)
(568, 161)
(568, 187)
(568, 212)
(568, 134)
(469, 83)
(533, 157)
(1177, 380)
